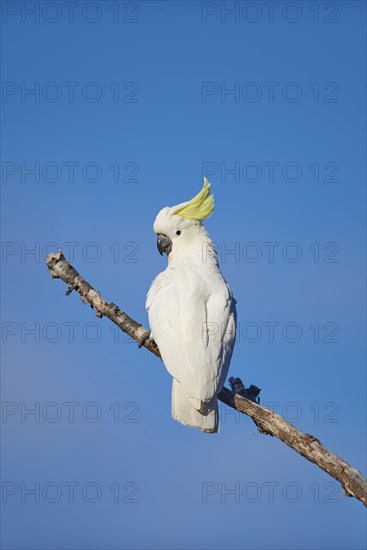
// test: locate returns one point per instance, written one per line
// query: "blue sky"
(133, 103)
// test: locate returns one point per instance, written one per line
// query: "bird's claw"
(251, 393)
(143, 339)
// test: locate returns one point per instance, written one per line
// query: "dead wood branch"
(306, 445)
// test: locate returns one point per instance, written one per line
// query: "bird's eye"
(178, 232)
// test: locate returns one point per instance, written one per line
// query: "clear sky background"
(132, 105)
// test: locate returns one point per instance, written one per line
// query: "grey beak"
(164, 244)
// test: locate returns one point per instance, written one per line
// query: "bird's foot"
(251, 393)
(143, 339)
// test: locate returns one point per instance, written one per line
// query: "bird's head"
(178, 227)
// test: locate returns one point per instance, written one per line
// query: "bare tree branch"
(271, 423)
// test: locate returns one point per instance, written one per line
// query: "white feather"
(193, 320)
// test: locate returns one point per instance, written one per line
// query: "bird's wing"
(193, 322)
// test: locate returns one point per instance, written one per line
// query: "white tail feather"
(184, 412)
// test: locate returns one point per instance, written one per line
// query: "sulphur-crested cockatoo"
(192, 312)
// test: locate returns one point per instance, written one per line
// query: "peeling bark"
(268, 421)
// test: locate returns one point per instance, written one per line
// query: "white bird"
(192, 312)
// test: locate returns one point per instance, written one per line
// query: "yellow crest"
(200, 207)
